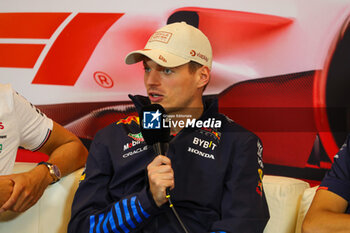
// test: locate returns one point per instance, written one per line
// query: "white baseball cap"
(174, 45)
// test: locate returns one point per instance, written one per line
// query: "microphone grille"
(151, 123)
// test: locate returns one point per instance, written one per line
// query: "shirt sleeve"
(337, 179)
(34, 127)
(94, 210)
(244, 206)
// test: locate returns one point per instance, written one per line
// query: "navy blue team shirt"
(337, 179)
(218, 180)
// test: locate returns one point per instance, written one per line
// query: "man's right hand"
(160, 176)
(6, 188)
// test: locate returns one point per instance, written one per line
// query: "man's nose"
(153, 78)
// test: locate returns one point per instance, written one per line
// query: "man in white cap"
(213, 167)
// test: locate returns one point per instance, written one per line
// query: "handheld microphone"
(153, 132)
(158, 137)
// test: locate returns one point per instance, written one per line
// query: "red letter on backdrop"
(72, 49)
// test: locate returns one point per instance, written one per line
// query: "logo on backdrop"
(77, 39)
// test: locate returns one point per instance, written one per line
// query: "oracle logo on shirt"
(2, 126)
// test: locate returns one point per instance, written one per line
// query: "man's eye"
(168, 71)
(147, 69)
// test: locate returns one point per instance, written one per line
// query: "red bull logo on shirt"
(129, 120)
(213, 132)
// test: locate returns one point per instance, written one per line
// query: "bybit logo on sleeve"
(151, 120)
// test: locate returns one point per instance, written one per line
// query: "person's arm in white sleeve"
(42, 134)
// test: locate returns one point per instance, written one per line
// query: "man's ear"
(204, 76)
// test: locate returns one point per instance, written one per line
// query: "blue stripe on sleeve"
(134, 210)
(142, 211)
(100, 219)
(120, 218)
(127, 214)
(104, 225)
(109, 218)
(112, 223)
(92, 223)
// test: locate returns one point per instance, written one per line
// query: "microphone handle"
(161, 149)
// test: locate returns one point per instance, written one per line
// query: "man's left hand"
(6, 187)
(28, 188)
